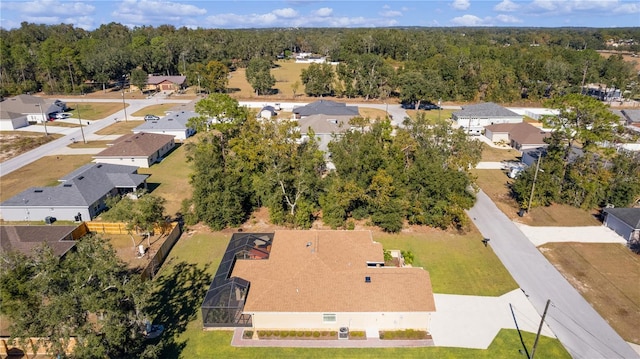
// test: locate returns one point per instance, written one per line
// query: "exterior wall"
(353, 320)
(180, 135)
(37, 214)
(12, 124)
(472, 122)
(127, 161)
(497, 136)
(623, 229)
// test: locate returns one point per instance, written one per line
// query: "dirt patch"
(606, 275)
(17, 143)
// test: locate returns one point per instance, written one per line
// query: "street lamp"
(44, 119)
(439, 108)
(535, 177)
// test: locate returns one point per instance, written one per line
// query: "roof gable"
(486, 109)
(156, 80)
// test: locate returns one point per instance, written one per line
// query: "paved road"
(577, 325)
(52, 147)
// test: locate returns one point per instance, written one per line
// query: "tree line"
(418, 175)
(413, 64)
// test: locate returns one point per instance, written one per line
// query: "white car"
(62, 115)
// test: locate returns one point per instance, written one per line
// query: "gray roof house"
(625, 222)
(37, 109)
(325, 118)
(137, 149)
(475, 117)
(82, 192)
(326, 107)
(25, 239)
(12, 120)
(174, 123)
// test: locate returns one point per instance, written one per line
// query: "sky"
(232, 14)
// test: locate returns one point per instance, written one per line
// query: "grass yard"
(607, 276)
(495, 184)
(94, 110)
(119, 128)
(431, 114)
(372, 113)
(457, 264)
(186, 275)
(492, 154)
(170, 179)
(89, 144)
(44, 172)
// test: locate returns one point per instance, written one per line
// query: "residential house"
(473, 118)
(174, 124)
(11, 120)
(36, 109)
(625, 222)
(267, 112)
(315, 280)
(137, 149)
(166, 83)
(631, 118)
(80, 195)
(521, 136)
(26, 239)
(325, 118)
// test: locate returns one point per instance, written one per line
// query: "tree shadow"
(176, 302)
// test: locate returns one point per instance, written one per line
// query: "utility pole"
(44, 119)
(124, 106)
(80, 122)
(535, 343)
(535, 177)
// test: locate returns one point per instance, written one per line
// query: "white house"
(12, 120)
(36, 109)
(137, 149)
(474, 118)
(315, 280)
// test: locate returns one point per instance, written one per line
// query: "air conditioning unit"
(343, 333)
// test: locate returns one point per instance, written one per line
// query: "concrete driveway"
(589, 234)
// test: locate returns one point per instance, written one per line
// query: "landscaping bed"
(409, 334)
(292, 334)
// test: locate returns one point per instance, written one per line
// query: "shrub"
(300, 333)
(351, 225)
(292, 333)
(333, 333)
(316, 334)
(325, 333)
(308, 333)
(248, 334)
(284, 333)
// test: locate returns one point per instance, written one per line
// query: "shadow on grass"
(176, 302)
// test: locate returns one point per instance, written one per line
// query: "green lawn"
(94, 110)
(457, 264)
(186, 275)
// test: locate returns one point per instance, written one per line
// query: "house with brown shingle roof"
(166, 83)
(521, 136)
(316, 280)
(137, 149)
(26, 239)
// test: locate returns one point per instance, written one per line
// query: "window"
(329, 318)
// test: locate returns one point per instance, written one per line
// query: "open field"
(607, 276)
(43, 172)
(372, 113)
(186, 275)
(495, 183)
(14, 143)
(120, 127)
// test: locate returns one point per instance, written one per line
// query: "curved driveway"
(577, 325)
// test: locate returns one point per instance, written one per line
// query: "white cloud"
(629, 8)
(390, 13)
(285, 13)
(460, 4)
(323, 12)
(563, 7)
(149, 9)
(506, 6)
(469, 20)
(507, 19)
(45, 8)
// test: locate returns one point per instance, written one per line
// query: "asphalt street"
(582, 331)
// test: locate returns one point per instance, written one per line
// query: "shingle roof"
(27, 104)
(630, 216)
(26, 238)
(486, 109)
(82, 187)
(154, 80)
(523, 133)
(631, 115)
(324, 271)
(136, 145)
(327, 107)
(321, 124)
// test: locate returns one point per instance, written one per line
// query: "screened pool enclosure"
(224, 301)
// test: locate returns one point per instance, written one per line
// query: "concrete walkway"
(589, 234)
(473, 321)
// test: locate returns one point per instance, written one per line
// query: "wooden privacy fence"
(163, 251)
(31, 348)
(107, 227)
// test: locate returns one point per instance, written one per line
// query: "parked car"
(151, 118)
(423, 106)
(62, 115)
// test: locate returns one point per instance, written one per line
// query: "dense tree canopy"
(89, 294)
(491, 64)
